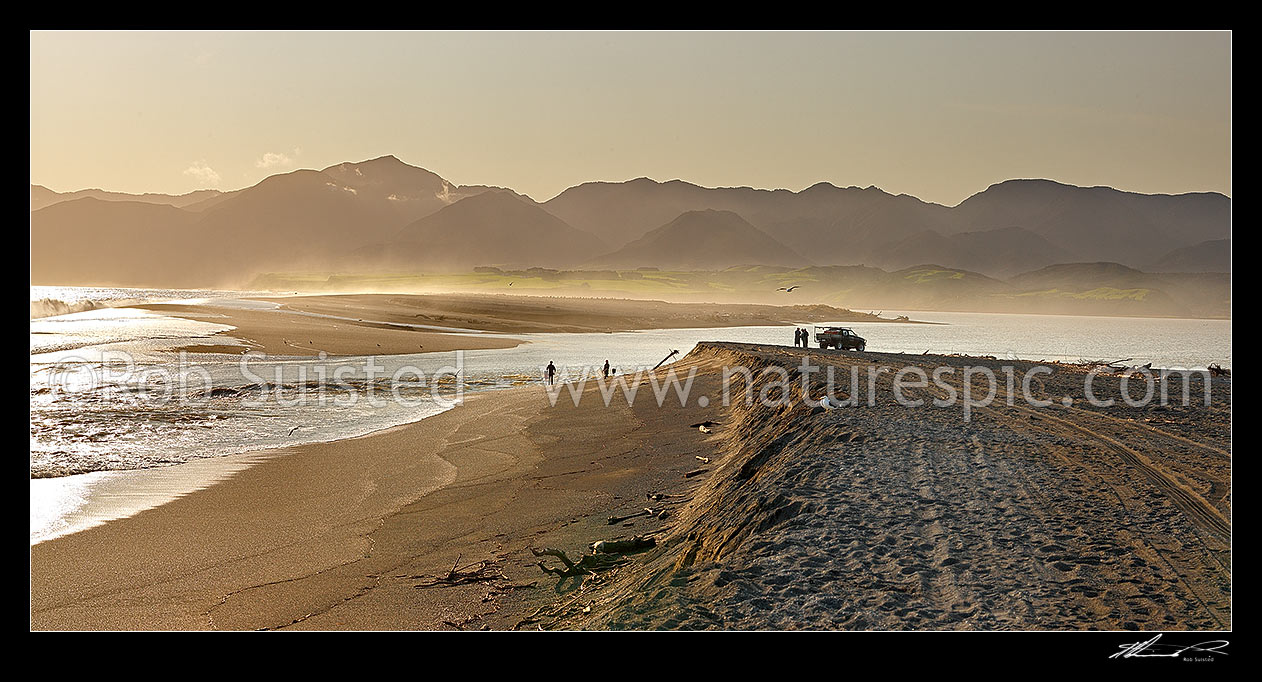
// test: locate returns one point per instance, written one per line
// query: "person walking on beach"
(551, 371)
(606, 369)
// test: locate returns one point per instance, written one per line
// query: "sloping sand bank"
(892, 517)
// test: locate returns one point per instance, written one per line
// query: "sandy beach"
(872, 517)
(338, 535)
(426, 330)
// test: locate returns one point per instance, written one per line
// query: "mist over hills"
(853, 226)
(494, 226)
(1074, 289)
(1100, 223)
(1001, 251)
(1213, 255)
(294, 220)
(41, 197)
(702, 240)
(384, 214)
(89, 240)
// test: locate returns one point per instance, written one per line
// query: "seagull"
(291, 431)
(788, 289)
(510, 284)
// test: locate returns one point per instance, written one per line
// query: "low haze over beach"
(634, 330)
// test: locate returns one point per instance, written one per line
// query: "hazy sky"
(937, 115)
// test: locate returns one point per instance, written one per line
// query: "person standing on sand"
(606, 369)
(797, 337)
(551, 371)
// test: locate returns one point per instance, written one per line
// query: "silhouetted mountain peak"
(821, 187)
(383, 169)
(293, 179)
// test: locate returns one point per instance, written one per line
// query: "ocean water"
(110, 396)
(49, 301)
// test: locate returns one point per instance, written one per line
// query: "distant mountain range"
(1010, 226)
(384, 214)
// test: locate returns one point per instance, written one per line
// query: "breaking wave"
(50, 307)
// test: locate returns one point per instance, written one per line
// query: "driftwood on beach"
(587, 565)
(477, 572)
(659, 513)
(605, 554)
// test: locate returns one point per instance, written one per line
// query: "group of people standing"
(801, 338)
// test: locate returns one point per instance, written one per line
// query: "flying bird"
(788, 289)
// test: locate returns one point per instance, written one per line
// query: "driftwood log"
(659, 513)
(605, 554)
(587, 565)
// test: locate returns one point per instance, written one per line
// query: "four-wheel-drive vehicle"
(842, 338)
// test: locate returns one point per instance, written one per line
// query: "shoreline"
(110, 495)
(114, 494)
(347, 534)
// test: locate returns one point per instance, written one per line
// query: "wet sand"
(337, 535)
(280, 332)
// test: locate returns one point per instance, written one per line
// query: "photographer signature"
(1151, 649)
